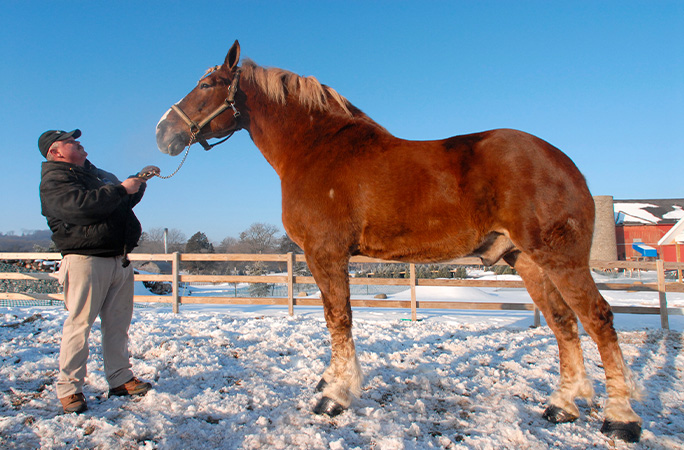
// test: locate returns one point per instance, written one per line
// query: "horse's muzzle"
(169, 140)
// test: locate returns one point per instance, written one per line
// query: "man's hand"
(132, 184)
(148, 172)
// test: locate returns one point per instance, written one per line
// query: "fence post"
(414, 303)
(175, 267)
(660, 268)
(537, 317)
(290, 283)
(679, 259)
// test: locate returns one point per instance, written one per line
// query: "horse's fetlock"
(338, 393)
(585, 390)
(619, 410)
(564, 401)
(635, 390)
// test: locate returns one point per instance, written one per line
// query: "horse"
(349, 187)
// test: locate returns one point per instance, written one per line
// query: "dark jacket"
(88, 210)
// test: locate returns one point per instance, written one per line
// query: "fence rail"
(292, 299)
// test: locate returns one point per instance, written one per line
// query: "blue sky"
(601, 80)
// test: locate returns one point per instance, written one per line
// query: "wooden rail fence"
(175, 278)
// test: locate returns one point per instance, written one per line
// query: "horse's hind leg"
(579, 291)
(563, 322)
(342, 379)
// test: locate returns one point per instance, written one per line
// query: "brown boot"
(75, 403)
(131, 387)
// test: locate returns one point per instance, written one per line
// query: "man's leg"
(115, 316)
(85, 281)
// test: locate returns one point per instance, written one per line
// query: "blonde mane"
(275, 82)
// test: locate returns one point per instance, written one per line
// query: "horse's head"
(200, 114)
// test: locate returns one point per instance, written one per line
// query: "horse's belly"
(420, 246)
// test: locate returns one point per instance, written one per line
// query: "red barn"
(646, 221)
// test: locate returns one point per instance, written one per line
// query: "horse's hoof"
(328, 406)
(626, 431)
(554, 414)
(321, 385)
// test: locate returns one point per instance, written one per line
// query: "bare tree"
(260, 238)
(287, 245)
(152, 241)
(228, 245)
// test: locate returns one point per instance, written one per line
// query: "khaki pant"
(95, 286)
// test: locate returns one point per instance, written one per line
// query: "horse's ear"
(233, 56)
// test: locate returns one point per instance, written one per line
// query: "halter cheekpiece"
(229, 102)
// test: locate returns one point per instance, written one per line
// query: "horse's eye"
(205, 86)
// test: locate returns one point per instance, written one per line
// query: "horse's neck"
(270, 134)
(285, 132)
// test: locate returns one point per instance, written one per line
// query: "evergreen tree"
(460, 272)
(199, 243)
(443, 271)
(258, 289)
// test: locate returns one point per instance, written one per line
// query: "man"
(90, 213)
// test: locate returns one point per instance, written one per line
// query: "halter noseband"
(229, 102)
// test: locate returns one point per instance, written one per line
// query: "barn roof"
(676, 234)
(648, 211)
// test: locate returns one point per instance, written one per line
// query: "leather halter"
(196, 128)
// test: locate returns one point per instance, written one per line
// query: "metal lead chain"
(187, 150)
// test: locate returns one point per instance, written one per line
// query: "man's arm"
(66, 198)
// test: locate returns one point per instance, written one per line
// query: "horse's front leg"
(342, 379)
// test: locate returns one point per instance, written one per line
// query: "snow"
(243, 377)
(635, 212)
(676, 213)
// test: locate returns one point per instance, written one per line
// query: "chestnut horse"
(349, 187)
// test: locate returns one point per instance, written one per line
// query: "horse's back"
(441, 199)
(492, 173)
(422, 201)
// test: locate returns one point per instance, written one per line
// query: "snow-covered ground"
(243, 377)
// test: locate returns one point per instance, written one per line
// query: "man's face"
(69, 150)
